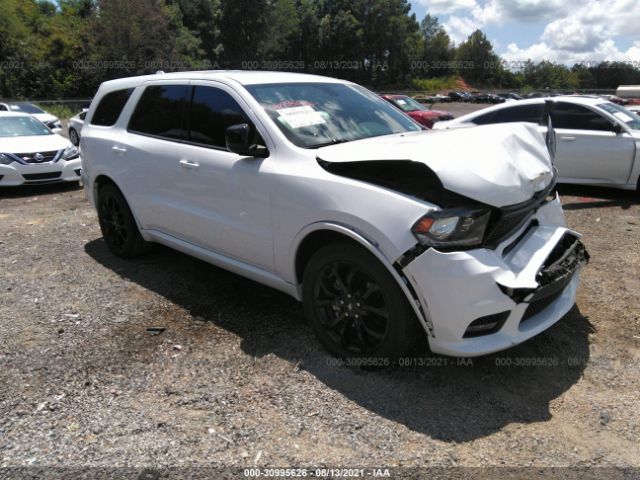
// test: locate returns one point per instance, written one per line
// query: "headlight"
(456, 227)
(70, 153)
(5, 159)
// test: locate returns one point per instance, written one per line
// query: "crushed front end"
(522, 281)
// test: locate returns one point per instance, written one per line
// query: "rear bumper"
(61, 171)
(523, 291)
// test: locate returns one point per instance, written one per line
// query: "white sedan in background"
(30, 153)
(598, 142)
(75, 126)
(49, 120)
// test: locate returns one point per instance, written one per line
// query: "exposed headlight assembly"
(456, 227)
(70, 153)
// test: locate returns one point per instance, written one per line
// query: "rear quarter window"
(110, 107)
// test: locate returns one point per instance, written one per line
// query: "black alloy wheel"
(351, 307)
(355, 305)
(118, 226)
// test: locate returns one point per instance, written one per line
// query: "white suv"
(319, 188)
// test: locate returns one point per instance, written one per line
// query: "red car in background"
(417, 111)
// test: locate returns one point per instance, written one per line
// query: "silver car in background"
(598, 142)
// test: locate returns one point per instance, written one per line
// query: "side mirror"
(618, 129)
(238, 138)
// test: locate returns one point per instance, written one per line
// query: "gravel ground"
(237, 378)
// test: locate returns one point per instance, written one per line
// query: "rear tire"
(355, 306)
(74, 137)
(118, 226)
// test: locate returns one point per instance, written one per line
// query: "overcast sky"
(566, 31)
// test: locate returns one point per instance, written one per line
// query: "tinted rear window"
(160, 111)
(485, 119)
(522, 113)
(212, 111)
(110, 107)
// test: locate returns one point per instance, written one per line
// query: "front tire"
(355, 306)
(117, 224)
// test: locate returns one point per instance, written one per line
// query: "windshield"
(26, 108)
(632, 120)
(22, 127)
(312, 115)
(407, 104)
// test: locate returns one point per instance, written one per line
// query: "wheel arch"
(100, 181)
(320, 234)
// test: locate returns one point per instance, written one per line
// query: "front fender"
(370, 245)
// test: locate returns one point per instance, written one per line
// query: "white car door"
(147, 151)
(588, 148)
(224, 197)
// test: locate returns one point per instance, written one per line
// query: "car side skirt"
(235, 266)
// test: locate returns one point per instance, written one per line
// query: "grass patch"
(435, 85)
(62, 111)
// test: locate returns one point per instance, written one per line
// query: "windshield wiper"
(335, 141)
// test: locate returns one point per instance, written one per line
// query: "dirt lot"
(237, 379)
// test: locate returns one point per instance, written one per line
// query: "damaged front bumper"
(481, 301)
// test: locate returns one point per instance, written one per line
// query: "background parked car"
(75, 126)
(509, 96)
(49, 120)
(421, 114)
(459, 96)
(31, 153)
(596, 139)
(615, 99)
(488, 98)
(437, 98)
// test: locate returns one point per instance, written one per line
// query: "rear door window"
(521, 113)
(212, 111)
(577, 117)
(160, 112)
(485, 119)
(110, 107)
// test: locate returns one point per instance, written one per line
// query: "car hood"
(33, 144)
(45, 117)
(497, 165)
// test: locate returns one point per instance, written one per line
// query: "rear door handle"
(568, 139)
(189, 164)
(118, 150)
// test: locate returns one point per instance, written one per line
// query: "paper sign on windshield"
(299, 117)
(623, 116)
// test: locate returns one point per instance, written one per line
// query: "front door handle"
(118, 150)
(568, 139)
(189, 164)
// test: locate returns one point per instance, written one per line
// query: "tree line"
(67, 48)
